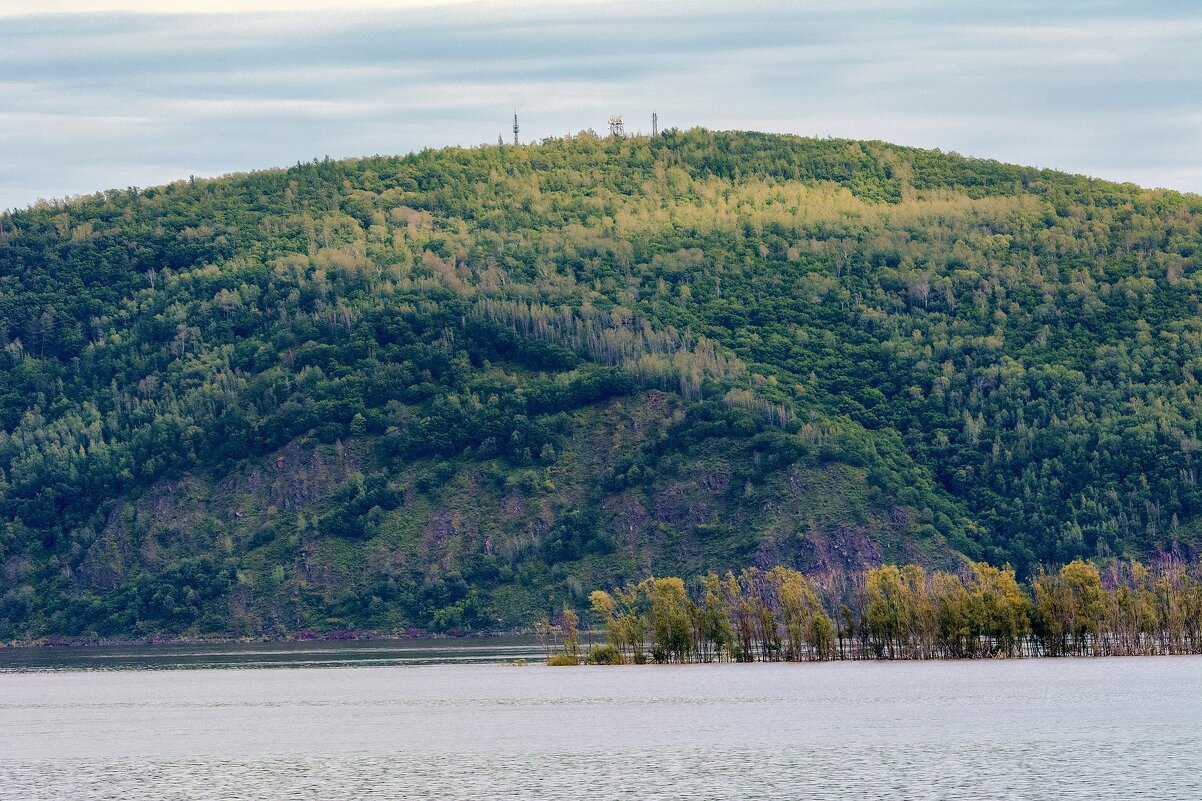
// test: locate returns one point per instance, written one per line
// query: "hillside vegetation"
(458, 389)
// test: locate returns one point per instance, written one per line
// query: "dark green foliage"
(575, 534)
(604, 654)
(451, 389)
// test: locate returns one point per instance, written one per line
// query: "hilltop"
(457, 389)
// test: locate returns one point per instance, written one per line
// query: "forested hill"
(457, 389)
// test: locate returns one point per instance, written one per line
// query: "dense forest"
(455, 389)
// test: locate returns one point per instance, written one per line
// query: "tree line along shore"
(891, 612)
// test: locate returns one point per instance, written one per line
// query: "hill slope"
(456, 389)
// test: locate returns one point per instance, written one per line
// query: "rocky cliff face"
(501, 545)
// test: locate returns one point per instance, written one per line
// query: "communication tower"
(616, 129)
(654, 124)
(515, 127)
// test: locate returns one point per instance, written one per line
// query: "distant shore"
(295, 637)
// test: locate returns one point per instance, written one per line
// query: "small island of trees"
(895, 612)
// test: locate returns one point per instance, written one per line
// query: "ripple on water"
(899, 771)
(1072, 729)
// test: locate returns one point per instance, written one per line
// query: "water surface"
(237, 655)
(1118, 728)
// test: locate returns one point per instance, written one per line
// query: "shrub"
(605, 655)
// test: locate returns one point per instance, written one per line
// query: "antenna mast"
(515, 127)
(654, 124)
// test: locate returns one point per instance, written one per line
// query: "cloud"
(112, 99)
(22, 8)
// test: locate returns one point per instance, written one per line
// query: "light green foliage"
(1071, 609)
(669, 619)
(906, 612)
(809, 631)
(569, 629)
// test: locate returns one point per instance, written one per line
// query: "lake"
(1116, 728)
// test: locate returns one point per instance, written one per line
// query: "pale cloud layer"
(112, 99)
(21, 8)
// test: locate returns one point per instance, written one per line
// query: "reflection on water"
(430, 651)
(1069, 729)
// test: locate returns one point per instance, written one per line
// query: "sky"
(98, 94)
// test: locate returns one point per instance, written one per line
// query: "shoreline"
(584, 660)
(155, 641)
